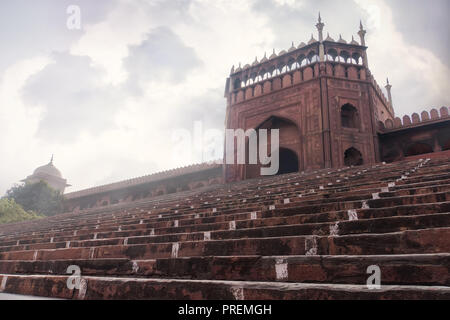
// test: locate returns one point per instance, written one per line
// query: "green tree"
(11, 212)
(37, 197)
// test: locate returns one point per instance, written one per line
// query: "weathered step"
(128, 222)
(171, 289)
(405, 242)
(380, 225)
(427, 269)
(72, 224)
(243, 221)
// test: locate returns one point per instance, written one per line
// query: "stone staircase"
(297, 236)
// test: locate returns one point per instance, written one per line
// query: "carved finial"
(232, 69)
(319, 27)
(51, 160)
(389, 92)
(362, 33)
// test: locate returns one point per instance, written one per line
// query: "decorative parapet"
(143, 180)
(300, 64)
(296, 57)
(415, 120)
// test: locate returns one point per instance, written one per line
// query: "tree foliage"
(11, 212)
(37, 197)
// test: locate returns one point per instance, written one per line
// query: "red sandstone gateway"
(361, 210)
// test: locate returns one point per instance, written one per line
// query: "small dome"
(341, 40)
(282, 53)
(301, 45)
(274, 55)
(329, 38)
(48, 169)
(264, 59)
(354, 42)
(312, 40)
(292, 48)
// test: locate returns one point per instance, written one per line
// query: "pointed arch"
(349, 116)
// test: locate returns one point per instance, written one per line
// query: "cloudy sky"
(106, 99)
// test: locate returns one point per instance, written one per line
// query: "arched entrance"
(288, 161)
(353, 157)
(417, 149)
(289, 144)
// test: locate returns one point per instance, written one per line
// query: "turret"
(362, 35)
(388, 89)
(320, 26)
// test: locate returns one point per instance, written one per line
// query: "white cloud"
(19, 123)
(420, 80)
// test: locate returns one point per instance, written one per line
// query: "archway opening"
(289, 139)
(349, 116)
(353, 157)
(418, 148)
(288, 161)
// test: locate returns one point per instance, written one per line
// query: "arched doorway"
(417, 149)
(288, 161)
(289, 143)
(353, 157)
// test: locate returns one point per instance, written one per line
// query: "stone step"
(379, 203)
(344, 227)
(72, 223)
(404, 242)
(426, 269)
(108, 288)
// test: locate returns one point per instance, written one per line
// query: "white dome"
(48, 169)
